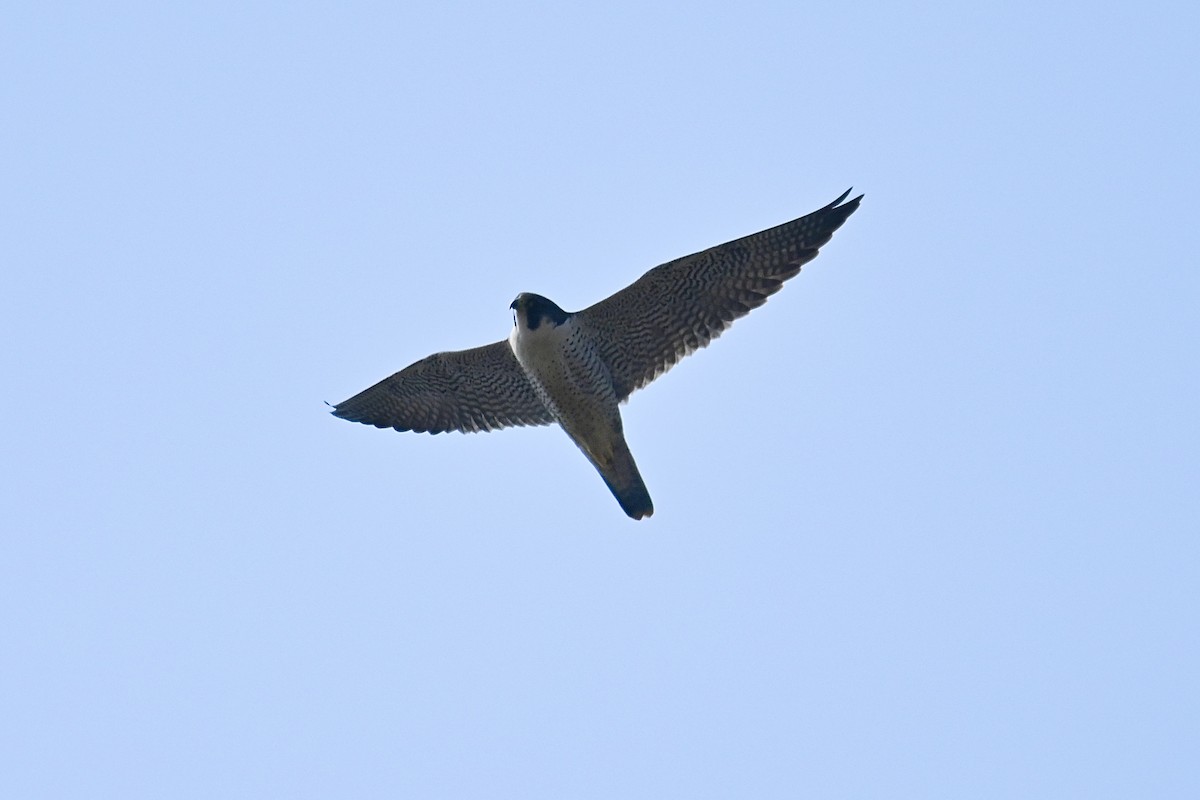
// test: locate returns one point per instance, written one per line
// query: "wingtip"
(343, 411)
(838, 203)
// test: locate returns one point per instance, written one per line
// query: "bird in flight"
(575, 368)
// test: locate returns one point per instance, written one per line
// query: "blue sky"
(926, 524)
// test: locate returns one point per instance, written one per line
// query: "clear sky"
(926, 524)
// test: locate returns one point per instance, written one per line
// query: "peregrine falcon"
(575, 368)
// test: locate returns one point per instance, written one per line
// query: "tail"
(625, 482)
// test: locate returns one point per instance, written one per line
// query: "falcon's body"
(575, 368)
(559, 354)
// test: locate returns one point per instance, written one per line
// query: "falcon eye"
(539, 310)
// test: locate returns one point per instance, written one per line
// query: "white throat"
(535, 348)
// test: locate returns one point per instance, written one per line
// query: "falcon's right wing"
(467, 390)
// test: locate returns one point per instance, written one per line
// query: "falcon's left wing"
(678, 307)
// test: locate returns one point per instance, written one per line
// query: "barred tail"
(625, 482)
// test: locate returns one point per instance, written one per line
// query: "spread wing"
(679, 307)
(467, 390)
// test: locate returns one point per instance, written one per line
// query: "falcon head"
(531, 310)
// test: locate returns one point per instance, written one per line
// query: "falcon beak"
(516, 303)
